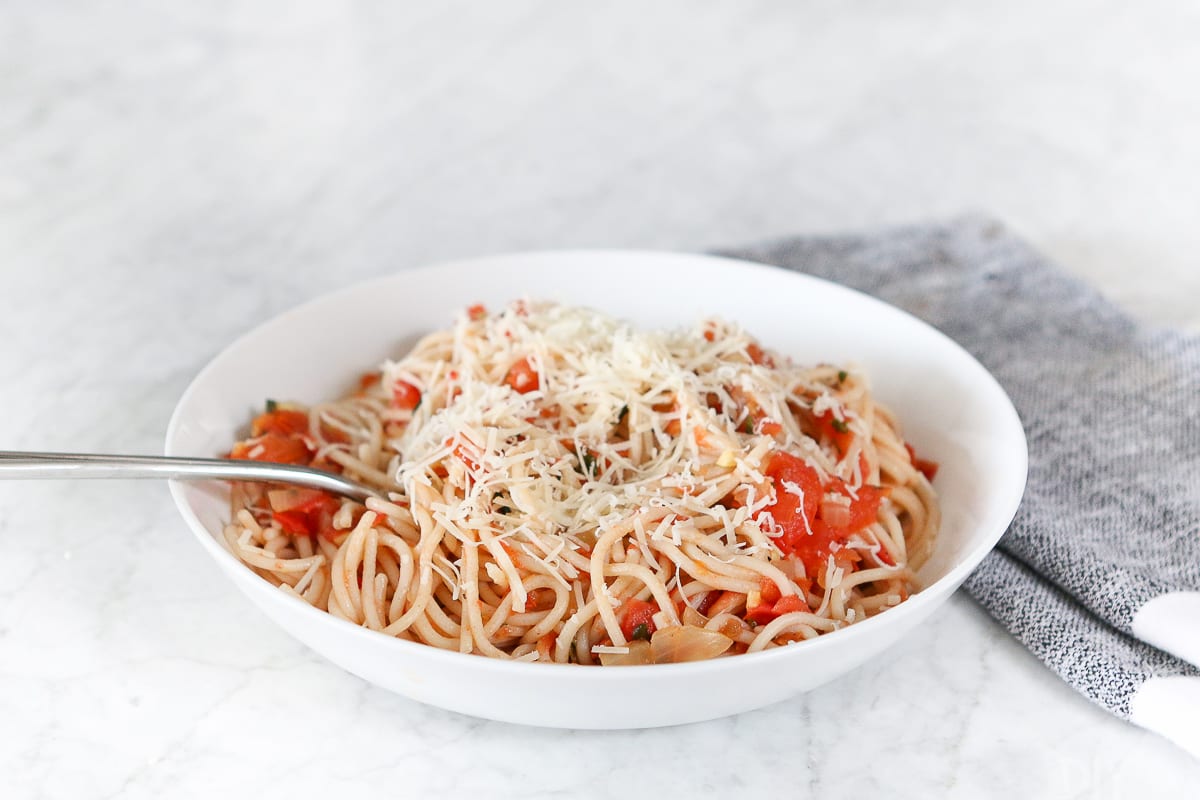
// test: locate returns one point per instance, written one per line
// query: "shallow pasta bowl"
(950, 408)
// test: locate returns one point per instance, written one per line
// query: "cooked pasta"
(556, 486)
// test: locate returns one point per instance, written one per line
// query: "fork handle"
(19, 465)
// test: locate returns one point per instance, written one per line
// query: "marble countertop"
(172, 174)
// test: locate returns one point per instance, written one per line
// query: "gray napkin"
(1099, 574)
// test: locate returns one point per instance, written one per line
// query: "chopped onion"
(836, 514)
(687, 643)
(792, 567)
(639, 653)
(731, 627)
(693, 617)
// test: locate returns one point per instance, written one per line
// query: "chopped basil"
(641, 632)
(842, 375)
(748, 425)
(624, 412)
(840, 426)
(504, 510)
(272, 406)
(589, 463)
(572, 657)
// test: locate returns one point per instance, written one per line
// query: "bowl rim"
(914, 605)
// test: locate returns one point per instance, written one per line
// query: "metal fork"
(19, 465)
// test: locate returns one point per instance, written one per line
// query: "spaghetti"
(563, 488)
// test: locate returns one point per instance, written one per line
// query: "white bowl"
(949, 406)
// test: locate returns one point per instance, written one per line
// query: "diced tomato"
(789, 605)
(885, 557)
(273, 447)
(368, 380)
(788, 511)
(806, 533)
(522, 377)
(758, 356)
(477, 311)
(765, 612)
(294, 522)
(846, 558)
(835, 430)
(768, 590)
(927, 468)
(296, 499)
(284, 421)
(865, 509)
(324, 525)
(769, 595)
(636, 613)
(768, 426)
(760, 614)
(405, 395)
(304, 511)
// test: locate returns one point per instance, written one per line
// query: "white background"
(171, 174)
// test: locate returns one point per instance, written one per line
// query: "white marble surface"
(170, 174)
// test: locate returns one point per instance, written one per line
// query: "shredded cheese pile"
(639, 404)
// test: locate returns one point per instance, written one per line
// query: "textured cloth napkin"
(1099, 574)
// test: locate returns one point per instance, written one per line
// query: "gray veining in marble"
(173, 173)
